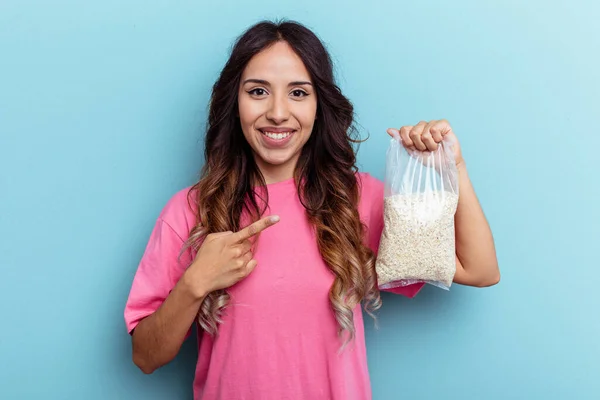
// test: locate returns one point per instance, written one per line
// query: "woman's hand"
(224, 259)
(426, 136)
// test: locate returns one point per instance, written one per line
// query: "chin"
(276, 157)
(277, 160)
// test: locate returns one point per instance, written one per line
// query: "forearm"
(158, 337)
(477, 264)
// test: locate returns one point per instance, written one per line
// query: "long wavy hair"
(325, 176)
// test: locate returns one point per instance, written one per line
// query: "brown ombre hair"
(325, 175)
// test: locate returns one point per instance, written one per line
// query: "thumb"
(395, 133)
(250, 266)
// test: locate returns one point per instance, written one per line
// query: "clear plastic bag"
(420, 201)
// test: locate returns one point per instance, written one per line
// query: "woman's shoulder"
(371, 194)
(369, 183)
(179, 211)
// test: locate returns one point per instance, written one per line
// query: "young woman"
(272, 251)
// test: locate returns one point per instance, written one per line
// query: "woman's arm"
(157, 338)
(476, 262)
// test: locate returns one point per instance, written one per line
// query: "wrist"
(192, 286)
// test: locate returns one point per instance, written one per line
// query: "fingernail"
(274, 218)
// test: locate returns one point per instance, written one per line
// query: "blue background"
(102, 108)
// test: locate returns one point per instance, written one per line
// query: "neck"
(277, 173)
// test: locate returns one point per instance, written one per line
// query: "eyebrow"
(266, 83)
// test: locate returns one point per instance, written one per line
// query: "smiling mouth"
(276, 135)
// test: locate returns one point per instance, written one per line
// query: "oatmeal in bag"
(420, 201)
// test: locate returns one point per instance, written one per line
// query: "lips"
(275, 129)
(276, 138)
(277, 133)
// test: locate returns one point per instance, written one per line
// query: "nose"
(278, 111)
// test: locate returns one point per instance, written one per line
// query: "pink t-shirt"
(278, 339)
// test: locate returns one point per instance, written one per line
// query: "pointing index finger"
(255, 228)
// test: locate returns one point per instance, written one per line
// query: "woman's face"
(277, 106)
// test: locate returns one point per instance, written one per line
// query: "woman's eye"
(257, 92)
(299, 93)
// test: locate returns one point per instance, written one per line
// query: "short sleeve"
(160, 267)
(372, 191)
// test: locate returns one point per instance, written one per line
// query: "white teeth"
(277, 136)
